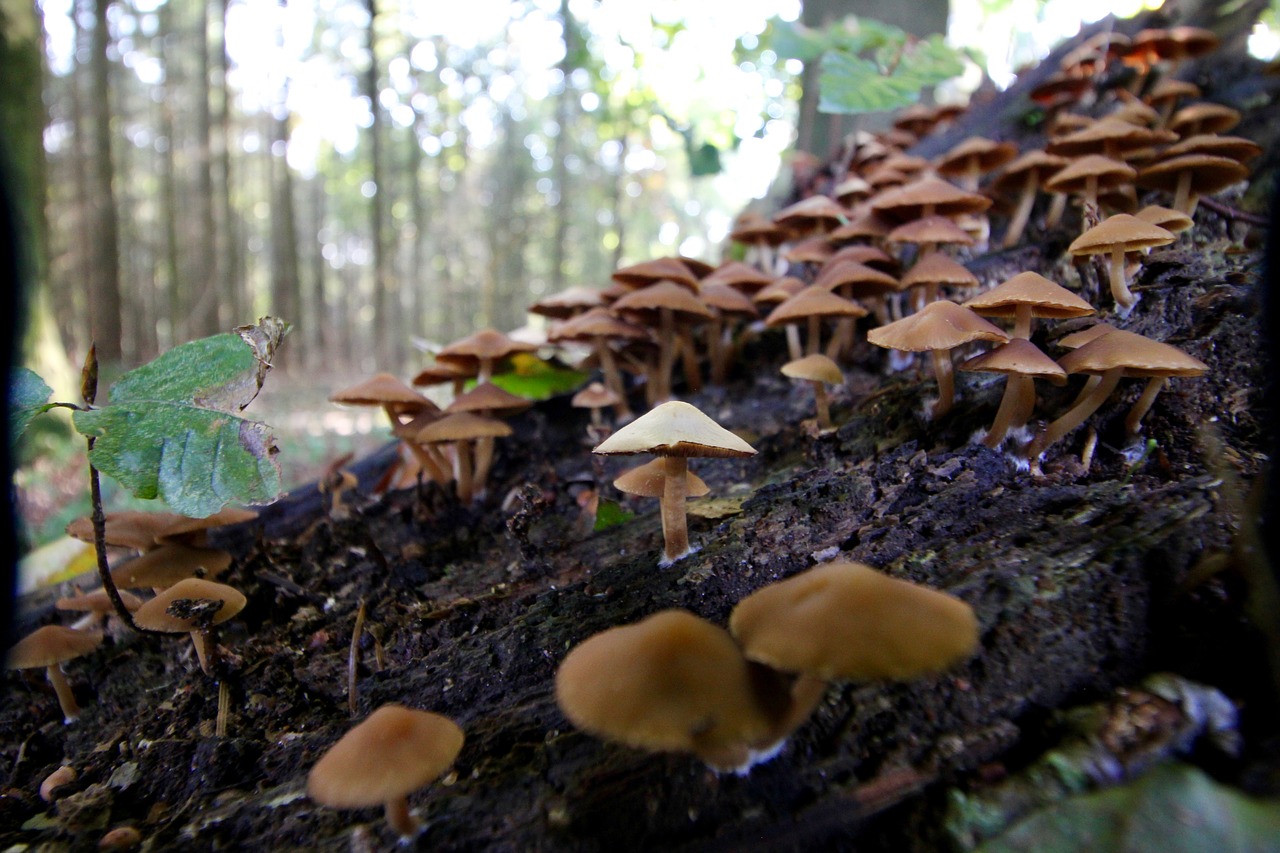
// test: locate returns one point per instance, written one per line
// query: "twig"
(353, 661)
(1223, 209)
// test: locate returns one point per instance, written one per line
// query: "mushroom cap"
(939, 325)
(49, 646)
(864, 224)
(855, 278)
(1205, 117)
(1046, 299)
(97, 601)
(441, 372)
(674, 428)
(649, 481)
(937, 268)
(1138, 355)
(484, 345)
(379, 390)
(671, 682)
(597, 322)
(595, 396)
(1082, 337)
(1209, 173)
(155, 614)
(1170, 89)
(1173, 221)
(988, 153)
(869, 255)
(813, 301)
(754, 228)
(1123, 230)
(1074, 177)
(1036, 161)
(166, 565)
(665, 294)
(487, 397)
(815, 368)
(127, 528)
(194, 531)
(728, 300)
(812, 212)
(652, 271)
(813, 250)
(739, 276)
(1232, 147)
(910, 200)
(930, 229)
(847, 620)
(1018, 356)
(780, 291)
(568, 302)
(1109, 132)
(390, 754)
(462, 426)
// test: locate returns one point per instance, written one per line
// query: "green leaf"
(610, 514)
(170, 431)
(793, 40)
(850, 85)
(1175, 808)
(28, 396)
(536, 379)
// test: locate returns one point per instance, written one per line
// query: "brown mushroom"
(1026, 175)
(1190, 176)
(819, 371)
(382, 760)
(670, 308)
(1022, 362)
(48, 648)
(1113, 237)
(810, 306)
(192, 606)
(972, 158)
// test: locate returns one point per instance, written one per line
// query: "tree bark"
(105, 304)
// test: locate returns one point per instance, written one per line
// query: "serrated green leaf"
(850, 85)
(198, 460)
(171, 430)
(610, 514)
(1173, 809)
(28, 396)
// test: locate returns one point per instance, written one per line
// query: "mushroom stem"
(1022, 322)
(485, 446)
(612, 377)
(944, 373)
(716, 349)
(675, 530)
(1124, 297)
(822, 404)
(1016, 405)
(399, 818)
(815, 334)
(1057, 207)
(430, 461)
(204, 649)
(1077, 414)
(66, 698)
(667, 354)
(1026, 201)
(794, 349)
(1133, 422)
(462, 459)
(1182, 198)
(689, 359)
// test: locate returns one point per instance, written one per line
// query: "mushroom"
(730, 306)
(1087, 177)
(810, 305)
(482, 351)
(1114, 236)
(971, 158)
(672, 683)
(818, 370)
(1028, 295)
(166, 565)
(1022, 362)
(661, 305)
(490, 400)
(927, 276)
(460, 429)
(599, 327)
(594, 398)
(937, 328)
(1115, 355)
(48, 648)
(192, 606)
(97, 606)
(382, 760)
(760, 235)
(64, 775)
(817, 214)
(845, 620)
(676, 431)
(383, 389)
(645, 273)
(1190, 176)
(1026, 175)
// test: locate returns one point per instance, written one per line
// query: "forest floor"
(1084, 581)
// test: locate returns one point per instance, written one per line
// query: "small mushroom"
(672, 682)
(382, 760)
(1114, 236)
(50, 647)
(819, 371)
(1022, 362)
(676, 431)
(595, 398)
(64, 775)
(192, 606)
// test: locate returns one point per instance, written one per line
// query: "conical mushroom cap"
(652, 271)
(813, 301)
(487, 397)
(910, 200)
(814, 368)
(1046, 298)
(390, 754)
(1018, 356)
(930, 229)
(157, 615)
(738, 275)
(378, 390)
(484, 345)
(811, 212)
(846, 620)
(1074, 177)
(1209, 173)
(568, 302)
(675, 429)
(937, 268)
(1138, 355)
(664, 294)
(462, 426)
(1123, 230)
(857, 277)
(49, 646)
(595, 396)
(127, 528)
(939, 325)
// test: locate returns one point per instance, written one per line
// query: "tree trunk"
(286, 286)
(386, 315)
(230, 265)
(207, 277)
(105, 307)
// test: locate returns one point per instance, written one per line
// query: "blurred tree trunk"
(206, 278)
(230, 265)
(286, 285)
(387, 334)
(104, 286)
(563, 209)
(416, 276)
(819, 133)
(171, 253)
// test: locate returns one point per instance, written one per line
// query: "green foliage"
(535, 379)
(171, 431)
(867, 66)
(1173, 809)
(28, 397)
(610, 514)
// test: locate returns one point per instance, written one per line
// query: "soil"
(1082, 580)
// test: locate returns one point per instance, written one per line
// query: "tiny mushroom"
(382, 760)
(1022, 362)
(1114, 236)
(845, 620)
(819, 371)
(48, 648)
(676, 431)
(594, 398)
(672, 682)
(192, 606)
